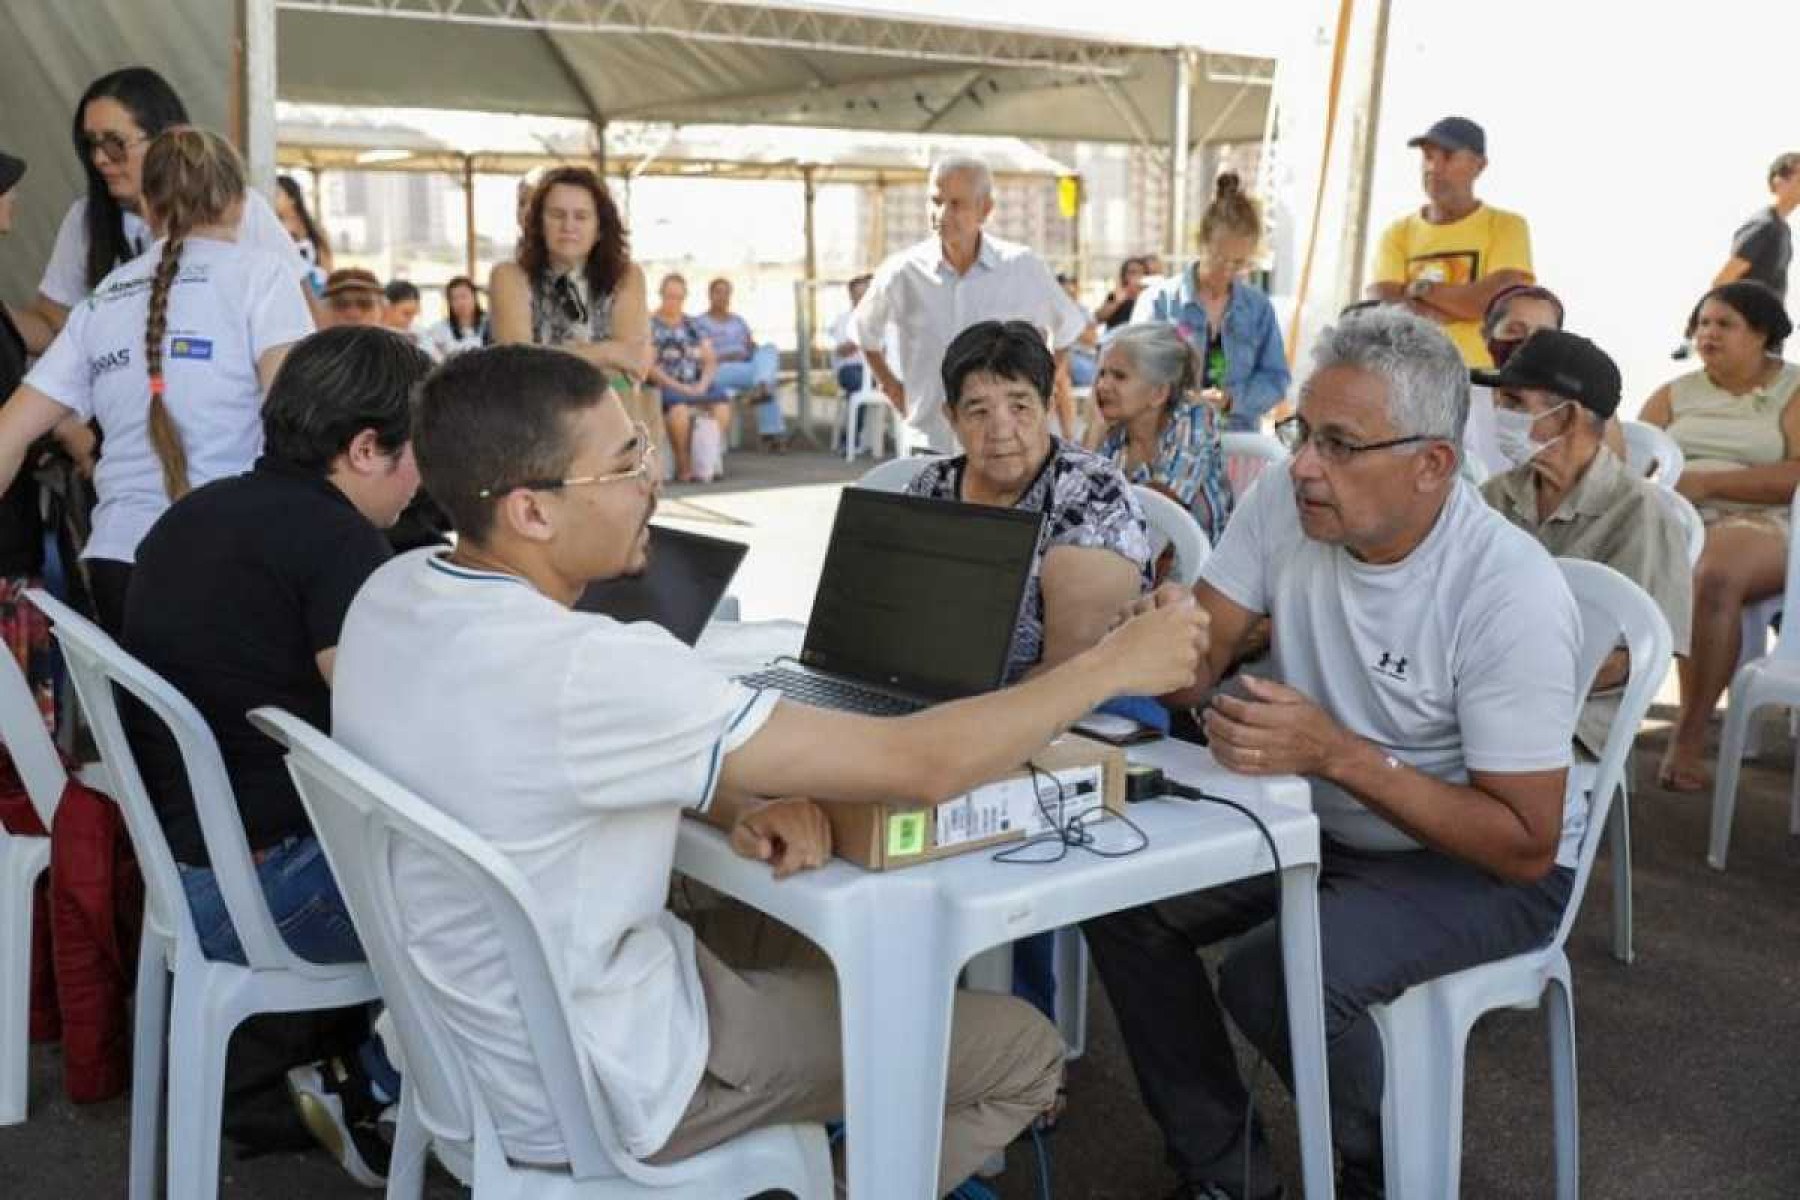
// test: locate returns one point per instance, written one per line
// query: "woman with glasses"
(1228, 322)
(171, 356)
(115, 121)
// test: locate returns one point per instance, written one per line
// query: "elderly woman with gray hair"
(1158, 430)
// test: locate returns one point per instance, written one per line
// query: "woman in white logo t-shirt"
(171, 354)
(115, 121)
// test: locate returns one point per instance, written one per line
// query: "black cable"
(1072, 833)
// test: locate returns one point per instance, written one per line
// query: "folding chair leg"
(19, 873)
(1619, 839)
(198, 1035)
(406, 1165)
(1738, 719)
(151, 1021)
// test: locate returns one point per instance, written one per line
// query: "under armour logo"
(1392, 667)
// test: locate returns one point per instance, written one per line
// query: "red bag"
(17, 816)
(97, 905)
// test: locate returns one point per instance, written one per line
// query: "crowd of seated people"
(1420, 641)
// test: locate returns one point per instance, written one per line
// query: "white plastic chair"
(894, 474)
(852, 430)
(1761, 679)
(23, 859)
(1691, 523)
(1424, 1032)
(210, 998)
(1647, 446)
(1173, 525)
(1246, 455)
(361, 818)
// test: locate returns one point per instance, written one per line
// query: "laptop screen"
(920, 595)
(686, 576)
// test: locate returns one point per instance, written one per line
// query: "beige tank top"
(1718, 431)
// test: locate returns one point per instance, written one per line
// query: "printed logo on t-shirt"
(1391, 665)
(1448, 266)
(106, 364)
(191, 347)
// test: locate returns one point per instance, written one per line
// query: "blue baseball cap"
(1455, 133)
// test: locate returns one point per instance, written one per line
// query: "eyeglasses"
(569, 297)
(645, 470)
(1296, 434)
(116, 148)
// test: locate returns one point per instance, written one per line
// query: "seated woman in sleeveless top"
(573, 285)
(1736, 421)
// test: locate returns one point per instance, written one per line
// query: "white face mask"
(1512, 434)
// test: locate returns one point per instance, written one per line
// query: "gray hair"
(1428, 383)
(953, 164)
(1161, 355)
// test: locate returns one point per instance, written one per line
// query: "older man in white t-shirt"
(932, 291)
(573, 744)
(1424, 657)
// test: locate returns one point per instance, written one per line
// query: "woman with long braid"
(171, 354)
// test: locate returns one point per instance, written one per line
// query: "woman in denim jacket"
(1230, 324)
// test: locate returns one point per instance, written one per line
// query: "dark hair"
(399, 291)
(1231, 212)
(611, 254)
(192, 177)
(336, 383)
(490, 418)
(462, 281)
(321, 244)
(1757, 303)
(1783, 166)
(1125, 268)
(154, 105)
(1502, 299)
(1007, 349)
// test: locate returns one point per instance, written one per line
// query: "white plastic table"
(899, 939)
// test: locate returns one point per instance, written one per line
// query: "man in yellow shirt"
(1449, 259)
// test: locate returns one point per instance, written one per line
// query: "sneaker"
(322, 1092)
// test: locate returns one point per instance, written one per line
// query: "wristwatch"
(1417, 288)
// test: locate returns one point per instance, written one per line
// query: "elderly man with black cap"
(1552, 402)
(1446, 261)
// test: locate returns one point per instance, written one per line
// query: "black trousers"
(109, 580)
(1386, 922)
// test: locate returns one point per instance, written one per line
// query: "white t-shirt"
(65, 275)
(842, 331)
(927, 303)
(570, 743)
(1460, 657)
(443, 341)
(229, 305)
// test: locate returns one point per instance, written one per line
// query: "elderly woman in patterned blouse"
(1094, 553)
(1158, 430)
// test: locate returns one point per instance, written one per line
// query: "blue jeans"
(309, 914)
(1084, 368)
(762, 367)
(850, 377)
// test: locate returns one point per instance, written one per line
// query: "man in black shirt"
(1763, 246)
(237, 597)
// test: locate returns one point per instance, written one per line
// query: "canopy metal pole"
(469, 210)
(259, 93)
(808, 313)
(1178, 156)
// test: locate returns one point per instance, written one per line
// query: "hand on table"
(790, 835)
(1275, 731)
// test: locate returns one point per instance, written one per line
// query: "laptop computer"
(917, 603)
(681, 585)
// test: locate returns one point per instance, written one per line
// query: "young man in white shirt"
(1424, 653)
(932, 291)
(573, 743)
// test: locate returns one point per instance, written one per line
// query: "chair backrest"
(362, 818)
(1689, 516)
(1614, 612)
(1173, 525)
(98, 665)
(1246, 456)
(28, 741)
(894, 474)
(1647, 446)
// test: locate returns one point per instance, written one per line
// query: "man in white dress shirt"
(932, 291)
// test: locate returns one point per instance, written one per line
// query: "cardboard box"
(883, 837)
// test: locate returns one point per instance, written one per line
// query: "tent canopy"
(323, 137)
(712, 62)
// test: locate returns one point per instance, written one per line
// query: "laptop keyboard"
(822, 691)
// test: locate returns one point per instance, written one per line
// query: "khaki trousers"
(776, 1055)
